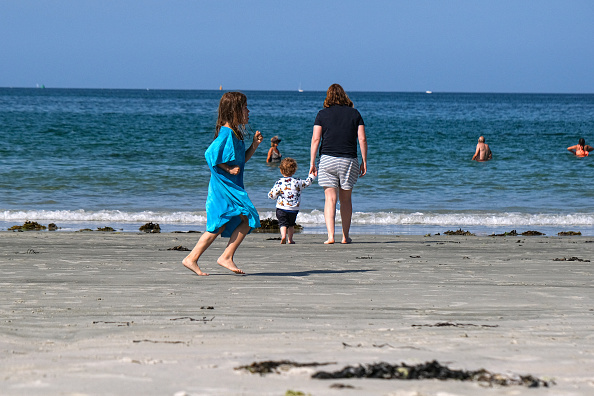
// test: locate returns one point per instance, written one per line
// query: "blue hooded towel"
(227, 198)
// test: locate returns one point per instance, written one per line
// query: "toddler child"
(287, 192)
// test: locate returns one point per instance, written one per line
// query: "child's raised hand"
(258, 138)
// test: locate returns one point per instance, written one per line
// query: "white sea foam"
(314, 217)
(104, 216)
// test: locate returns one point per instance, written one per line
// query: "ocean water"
(92, 158)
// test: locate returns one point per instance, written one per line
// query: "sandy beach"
(117, 313)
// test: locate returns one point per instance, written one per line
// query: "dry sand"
(114, 314)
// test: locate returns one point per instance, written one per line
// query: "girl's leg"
(226, 259)
(191, 260)
(330, 212)
(346, 213)
(283, 231)
(290, 232)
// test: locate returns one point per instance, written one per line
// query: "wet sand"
(113, 314)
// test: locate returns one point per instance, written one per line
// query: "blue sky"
(414, 45)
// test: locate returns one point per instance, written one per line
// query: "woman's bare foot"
(193, 266)
(346, 240)
(230, 265)
(291, 242)
(329, 242)
(283, 241)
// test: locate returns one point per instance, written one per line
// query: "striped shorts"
(338, 172)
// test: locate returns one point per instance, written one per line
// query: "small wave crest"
(314, 217)
(105, 216)
(457, 219)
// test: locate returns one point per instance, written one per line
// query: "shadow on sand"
(308, 273)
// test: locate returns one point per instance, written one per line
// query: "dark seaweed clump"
(28, 226)
(274, 366)
(459, 232)
(180, 248)
(569, 233)
(515, 233)
(571, 259)
(429, 370)
(271, 225)
(105, 229)
(150, 227)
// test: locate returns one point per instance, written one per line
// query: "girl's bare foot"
(291, 242)
(230, 265)
(347, 240)
(193, 266)
(283, 241)
(329, 242)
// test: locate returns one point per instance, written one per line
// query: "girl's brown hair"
(336, 96)
(231, 112)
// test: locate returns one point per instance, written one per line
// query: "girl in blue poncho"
(229, 211)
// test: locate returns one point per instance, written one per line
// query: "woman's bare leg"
(226, 259)
(191, 260)
(346, 213)
(330, 212)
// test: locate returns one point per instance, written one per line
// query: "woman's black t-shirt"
(340, 125)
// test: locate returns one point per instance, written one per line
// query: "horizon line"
(426, 92)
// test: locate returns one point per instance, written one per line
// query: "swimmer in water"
(581, 149)
(483, 152)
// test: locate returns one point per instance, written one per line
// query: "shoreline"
(113, 313)
(318, 229)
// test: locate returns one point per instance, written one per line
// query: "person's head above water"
(582, 142)
(482, 139)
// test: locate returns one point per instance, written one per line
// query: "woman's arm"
(269, 158)
(363, 146)
(315, 143)
(255, 143)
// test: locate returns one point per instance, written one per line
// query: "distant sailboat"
(220, 87)
(300, 89)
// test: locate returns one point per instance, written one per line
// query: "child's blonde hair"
(288, 167)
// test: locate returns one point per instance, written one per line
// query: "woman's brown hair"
(231, 112)
(336, 96)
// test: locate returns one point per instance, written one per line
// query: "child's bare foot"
(230, 265)
(283, 241)
(193, 266)
(347, 240)
(292, 242)
(329, 242)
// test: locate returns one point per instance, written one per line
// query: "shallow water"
(122, 157)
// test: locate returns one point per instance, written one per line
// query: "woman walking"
(337, 129)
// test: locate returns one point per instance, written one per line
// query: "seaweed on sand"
(150, 227)
(459, 232)
(569, 233)
(271, 225)
(275, 366)
(28, 226)
(430, 370)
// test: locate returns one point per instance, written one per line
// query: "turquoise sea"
(88, 158)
